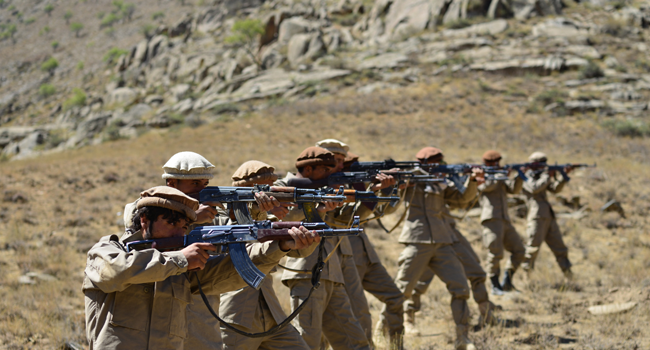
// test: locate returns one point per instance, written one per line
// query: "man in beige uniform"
(190, 172)
(498, 232)
(542, 226)
(372, 274)
(138, 299)
(328, 311)
(428, 237)
(251, 310)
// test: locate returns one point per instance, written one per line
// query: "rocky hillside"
(79, 72)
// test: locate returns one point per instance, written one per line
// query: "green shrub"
(67, 16)
(78, 99)
(245, 34)
(628, 128)
(591, 70)
(100, 14)
(76, 27)
(547, 97)
(46, 90)
(50, 65)
(30, 20)
(147, 30)
(45, 30)
(48, 9)
(55, 45)
(113, 54)
(80, 65)
(158, 15)
(109, 20)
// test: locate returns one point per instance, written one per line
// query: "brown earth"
(55, 207)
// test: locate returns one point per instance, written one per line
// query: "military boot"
(487, 317)
(496, 286)
(409, 324)
(506, 285)
(462, 340)
(568, 275)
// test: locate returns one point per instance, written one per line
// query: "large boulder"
(88, 129)
(293, 26)
(139, 54)
(387, 60)
(411, 16)
(26, 146)
(122, 96)
(305, 46)
(487, 28)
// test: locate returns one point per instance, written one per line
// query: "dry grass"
(55, 207)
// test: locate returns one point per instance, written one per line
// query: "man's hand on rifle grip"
(196, 255)
(266, 202)
(302, 238)
(205, 213)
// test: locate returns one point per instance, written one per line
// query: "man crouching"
(137, 300)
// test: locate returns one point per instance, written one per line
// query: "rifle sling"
(315, 283)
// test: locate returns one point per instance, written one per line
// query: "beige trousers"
(498, 235)
(442, 260)
(545, 230)
(286, 338)
(327, 312)
(473, 272)
(377, 281)
(358, 300)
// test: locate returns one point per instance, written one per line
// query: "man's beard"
(148, 234)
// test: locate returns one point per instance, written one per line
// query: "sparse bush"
(147, 30)
(110, 32)
(80, 65)
(113, 131)
(100, 14)
(551, 96)
(643, 64)
(46, 90)
(50, 65)
(615, 27)
(45, 30)
(245, 34)
(76, 27)
(48, 9)
(78, 99)
(113, 54)
(157, 15)
(8, 32)
(55, 45)
(67, 16)
(109, 20)
(590, 71)
(628, 128)
(30, 20)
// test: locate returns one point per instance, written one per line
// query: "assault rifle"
(352, 177)
(230, 194)
(456, 172)
(351, 195)
(540, 166)
(238, 196)
(385, 165)
(233, 239)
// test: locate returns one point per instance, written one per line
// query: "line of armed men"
(190, 249)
